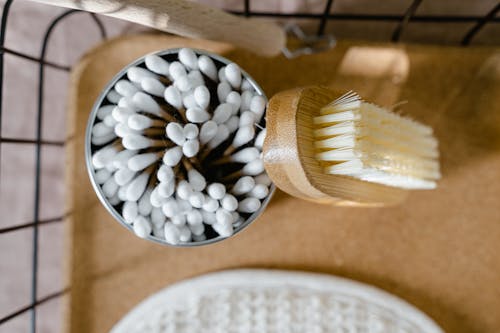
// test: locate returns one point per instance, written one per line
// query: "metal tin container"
(90, 149)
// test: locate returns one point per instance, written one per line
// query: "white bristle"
(166, 189)
(172, 156)
(197, 115)
(210, 204)
(101, 176)
(144, 204)
(110, 121)
(165, 173)
(188, 58)
(101, 140)
(216, 191)
(222, 74)
(223, 89)
(121, 114)
(183, 83)
(156, 199)
(246, 155)
(208, 131)
(246, 85)
(232, 124)
(173, 97)
(157, 217)
(234, 99)
(184, 234)
(246, 99)
(196, 179)
(123, 176)
(367, 142)
(175, 132)
(222, 113)
(184, 190)
(191, 148)
(196, 199)
(196, 79)
(153, 86)
(247, 118)
(101, 129)
(233, 75)
(249, 205)
(258, 106)
(135, 141)
(179, 220)
(253, 168)
(197, 228)
(221, 136)
(189, 101)
(260, 191)
(202, 96)
(130, 211)
(170, 208)
(263, 178)
(156, 64)
(229, 202)
(120, 160)
(172, 234)
(142, 226)
(177, 70)
(125, 88)
(190, 131)
(110, 187)
(142, 161)
(127, 102)
(136, 74)
(207, 67)
(244, 185)
(208, 217)
(104, 156)
(113, 96)
(136, 187)
(244, 135)
(104, 111)
(259, 140)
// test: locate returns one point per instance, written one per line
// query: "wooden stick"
(189, 19)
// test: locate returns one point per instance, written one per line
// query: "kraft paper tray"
(439, 250)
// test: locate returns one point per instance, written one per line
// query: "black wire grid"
(323, 19)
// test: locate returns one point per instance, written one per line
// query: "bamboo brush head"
(290, 154)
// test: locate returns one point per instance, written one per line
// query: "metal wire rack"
(323, 18)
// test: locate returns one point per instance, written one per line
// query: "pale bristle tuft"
(361, 140)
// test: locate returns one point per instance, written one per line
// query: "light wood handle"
(188, 19)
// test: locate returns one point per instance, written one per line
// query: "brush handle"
(188, 19)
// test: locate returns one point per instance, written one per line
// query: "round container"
(169, 55)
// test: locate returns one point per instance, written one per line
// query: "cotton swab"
(156, 64)
(207, 67)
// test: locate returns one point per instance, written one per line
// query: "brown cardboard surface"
(438, 250)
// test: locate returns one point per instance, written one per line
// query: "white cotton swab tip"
(173, 97)
(249, 205)
(196, 199)
(142, 161)
(177, 70)
(136, 74)
(245, 155)
(208, 131)
(184, 234)
(104, 156)
(229, 202)
(221, 136)
(208, 217)
(184, 83)
(121, 114)
(165, 173)
(104, 111)
(123, 176)
(110, 187)
(194, 217)
(253, 168)
(223, 217)
(246, 98)
(130, 211)
(188, 58)
(179, 220)
(222, 113)
(197, 115)
(135, 141)
(244, 135)
(234, 99)
(263, 178)
(170, 208)
(144, 204)
(184, 190)
(153, 86)
(125, 88)
(101, 176)
(175, 132)
(136, 187)
(156, 199)
(210, 204)
(258, 106)
(139, 122)
(190, 131)
(166, 189)
(260, 191)
(156, 64)
(207, 67)
(223, 89)
(172, 156)
(243, 185)
(196, 180)
(233, 75)
(259, 140)
(216, 191)
(142, 227)
(202, 96)
(157, 217)
(191, 148)
(172, 234)
(232, 123)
